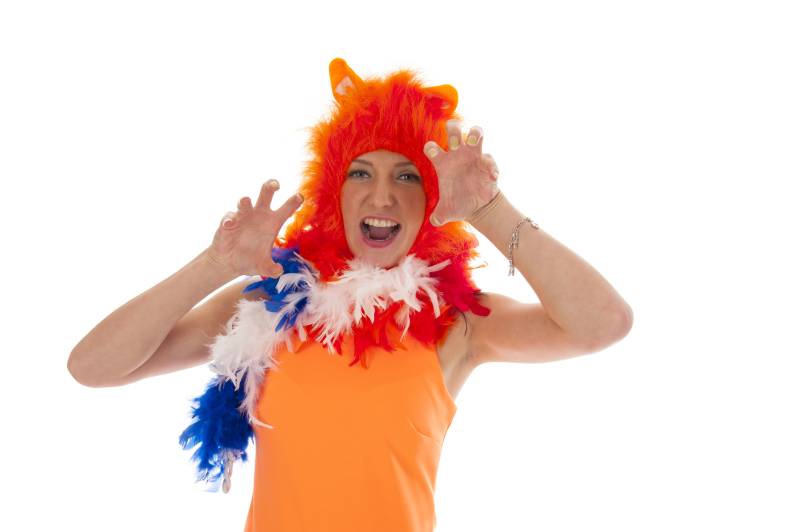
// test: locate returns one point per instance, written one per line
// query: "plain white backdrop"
(658, 140)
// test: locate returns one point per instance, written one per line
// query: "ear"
(444, 96)
(343, 78)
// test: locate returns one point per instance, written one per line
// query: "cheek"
(346, 201)
(418, 211)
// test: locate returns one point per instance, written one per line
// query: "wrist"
(486, 211)
(215, 269)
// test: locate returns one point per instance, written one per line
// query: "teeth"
(376, 222)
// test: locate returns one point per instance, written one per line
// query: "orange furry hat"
(400, 114)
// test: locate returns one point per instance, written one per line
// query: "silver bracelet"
(515, 242)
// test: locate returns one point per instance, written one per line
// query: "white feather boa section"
(250, 340)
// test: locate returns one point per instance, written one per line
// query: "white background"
(658, 140)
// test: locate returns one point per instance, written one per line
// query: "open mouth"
(379, 230)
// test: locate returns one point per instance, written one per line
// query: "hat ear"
(343, 78)
(445, 96)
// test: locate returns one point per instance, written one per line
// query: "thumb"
(271, 269)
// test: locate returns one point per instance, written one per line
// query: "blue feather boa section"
(221, 430)
(220, 425)
(292, 263)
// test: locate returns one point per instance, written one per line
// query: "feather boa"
(312, 298)
(299, 306)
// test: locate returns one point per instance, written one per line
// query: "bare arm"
(574, 296)
(152, 333)
(130, 335)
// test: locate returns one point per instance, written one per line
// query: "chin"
(383, 260)
(382, 257)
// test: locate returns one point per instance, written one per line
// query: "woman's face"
(383, 206)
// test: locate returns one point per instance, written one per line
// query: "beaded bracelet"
(489, 207)
(515, 242)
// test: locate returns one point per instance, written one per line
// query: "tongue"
(380, 233)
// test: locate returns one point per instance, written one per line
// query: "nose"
(381, 193)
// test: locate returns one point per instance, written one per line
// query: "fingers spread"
(454, 140)
(289, 206)
(267, 191)
(488, 162)
(229, 220)
(431, 149)
(492, 161)
(245, 204)
(475, 137)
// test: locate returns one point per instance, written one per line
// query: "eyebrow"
(369, 163)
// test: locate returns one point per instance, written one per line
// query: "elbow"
(84, 371)
(614, 330)
(623, 324)
(626, 321)
(74, 373)
(72, 368)
(79, 374)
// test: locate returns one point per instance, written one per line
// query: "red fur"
(399, 114)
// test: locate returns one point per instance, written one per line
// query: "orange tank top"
(352, 448)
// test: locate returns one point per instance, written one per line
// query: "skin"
(579, 311)
(382, 184)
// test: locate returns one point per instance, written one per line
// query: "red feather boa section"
(399, 114)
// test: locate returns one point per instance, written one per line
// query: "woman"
(375, 264)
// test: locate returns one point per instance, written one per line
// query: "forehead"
(382, 157)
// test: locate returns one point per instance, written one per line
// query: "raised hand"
(243, 242)
(467, 177)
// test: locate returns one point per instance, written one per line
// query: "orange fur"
(396, 113)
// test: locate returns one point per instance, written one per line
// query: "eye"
(412, 177)
(409, 177)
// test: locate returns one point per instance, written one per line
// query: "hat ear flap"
(343, 79)
(443, 98)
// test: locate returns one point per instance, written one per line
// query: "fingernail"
(227, 223)
(472, 140)
(432, 151)
(299, 196)
(454, 142)
(274, 184)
